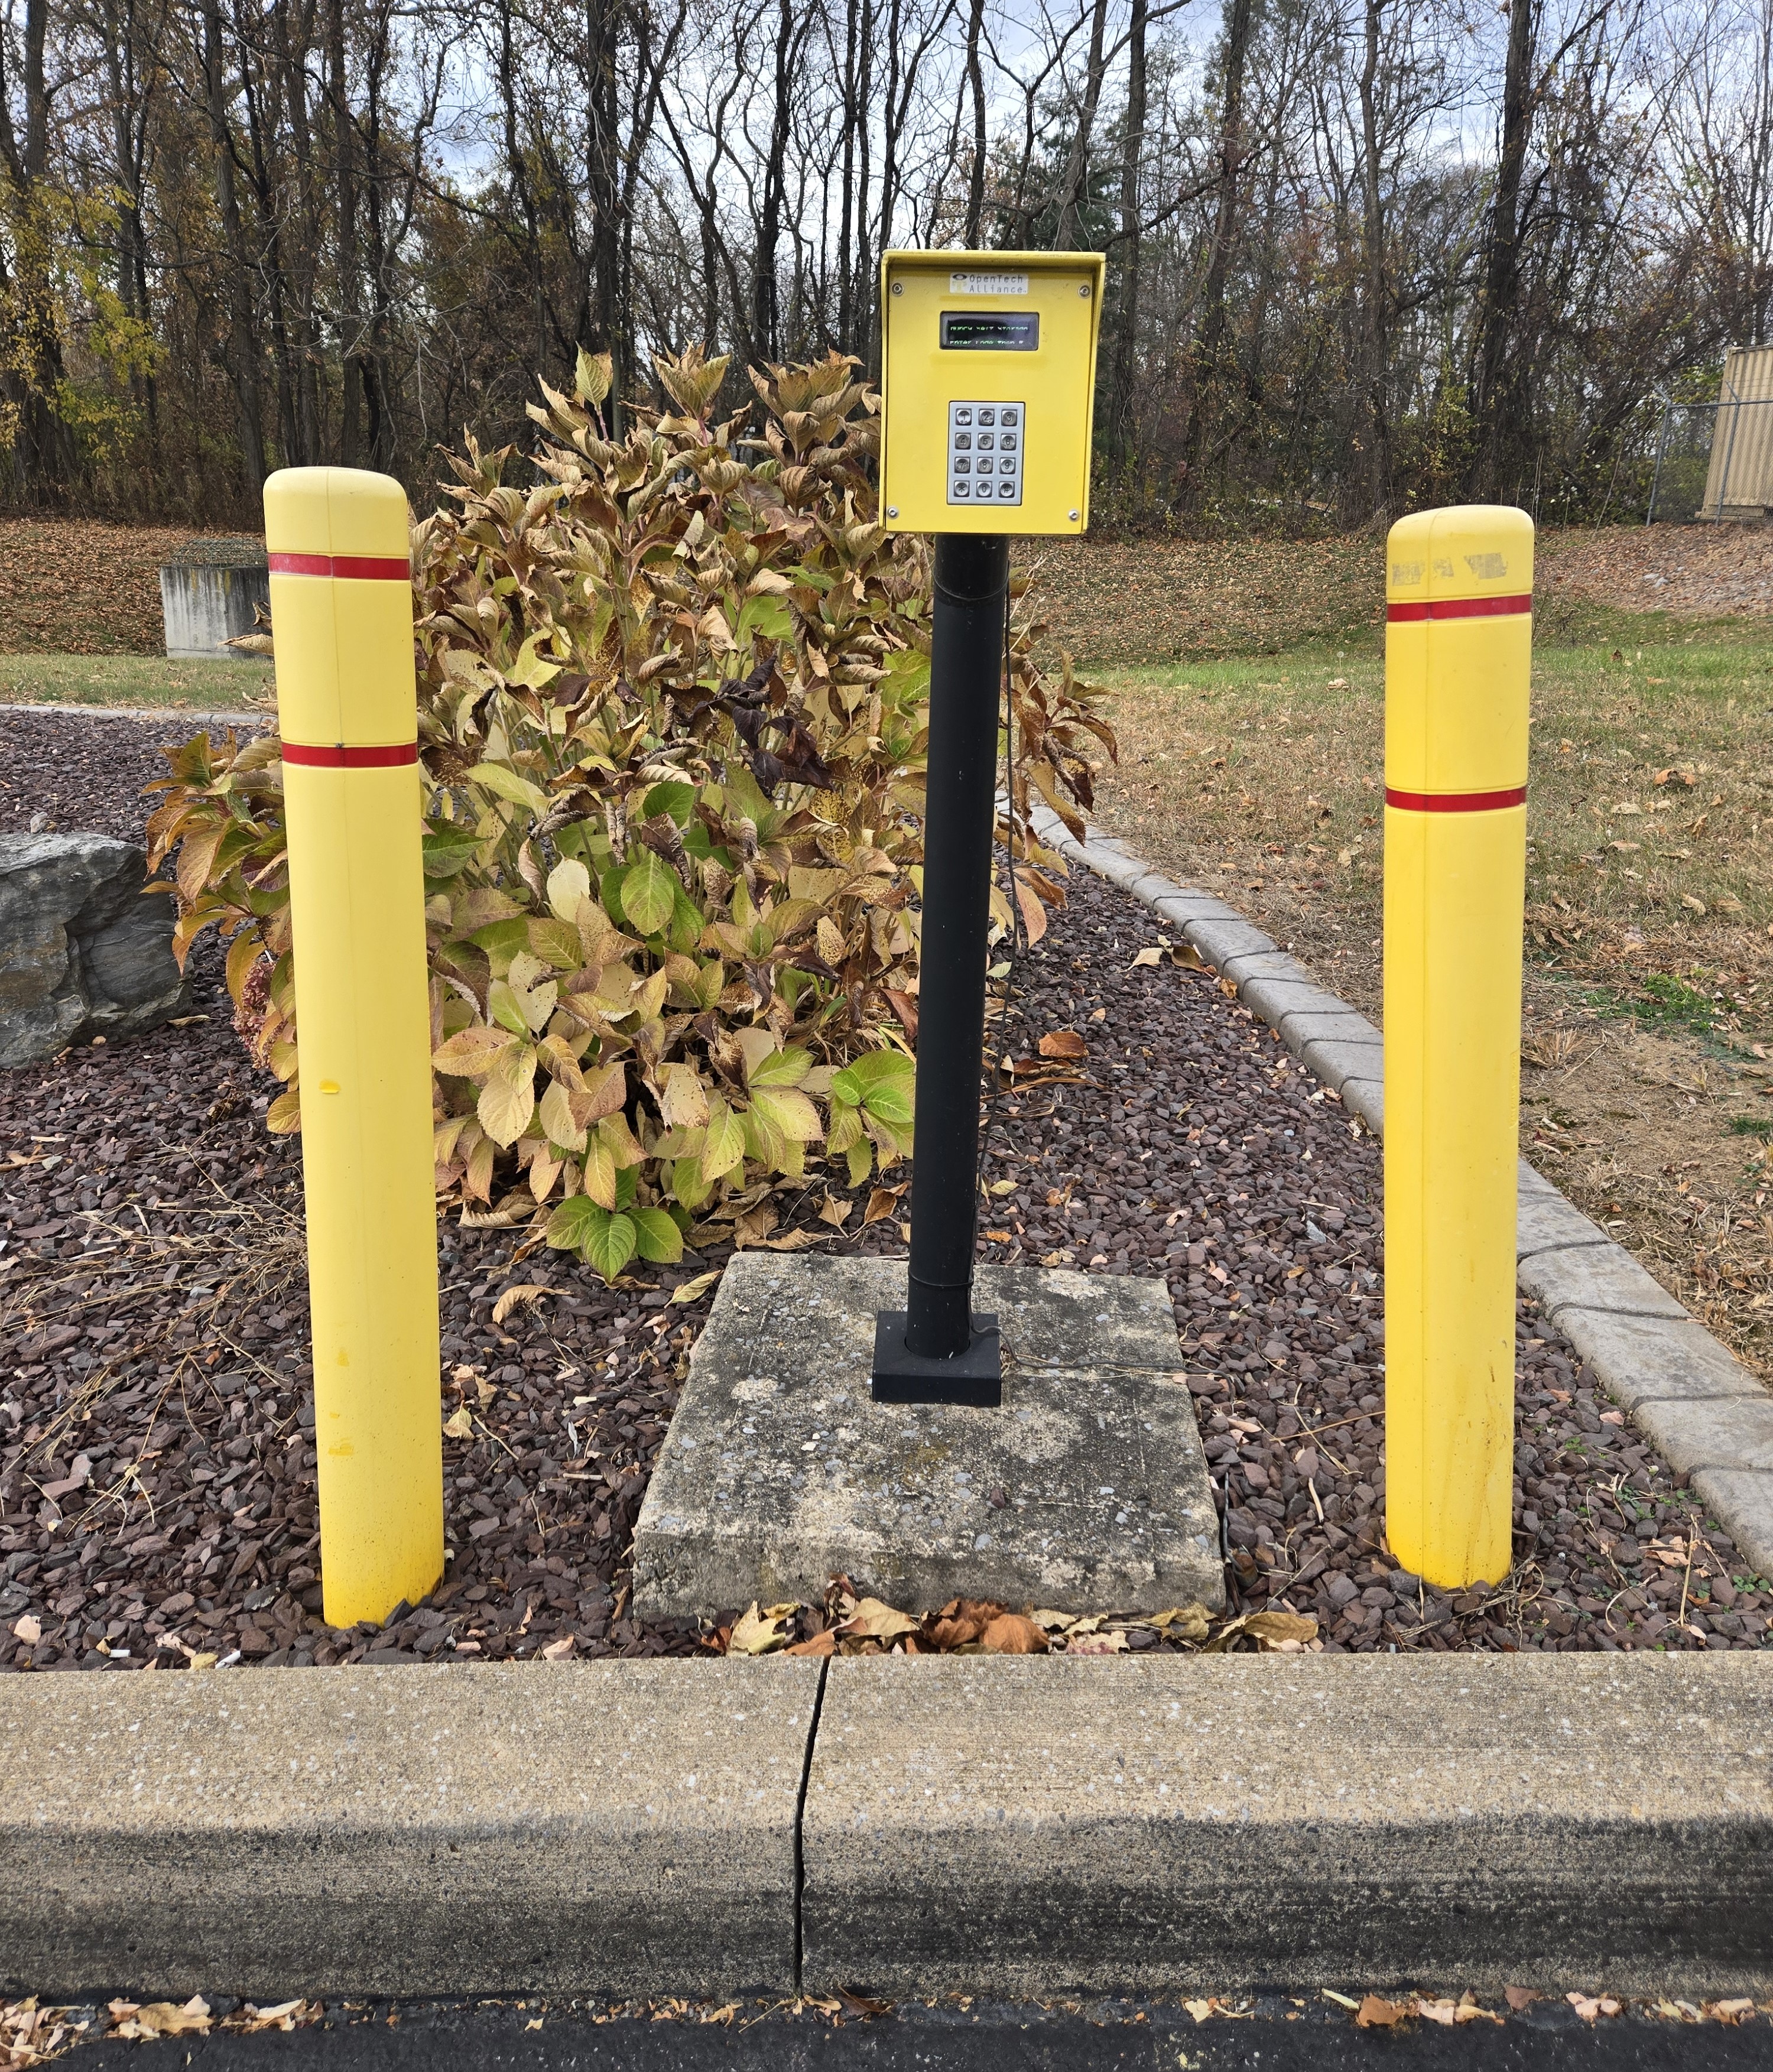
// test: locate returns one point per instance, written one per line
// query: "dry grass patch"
(1648, 1088)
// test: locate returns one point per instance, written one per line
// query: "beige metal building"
(1739, 481)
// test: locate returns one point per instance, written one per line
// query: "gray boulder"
(83, 953)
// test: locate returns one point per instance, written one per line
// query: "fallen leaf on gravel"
(1063, 1043)
(252, 2020)
(1200, 2009)
(1341, 1999)
(1730, 2011)
(692, 1291)
(1440, 2011)
(872, 1620)
(960, 1622)
(561, 1649)
(1149, 955)
(862, 2004)
(1374, 2012)
(1010, 1634)
(822, 1644)
(28, 1630)
(195, 1659)
(761, 1633)
(1272, 1631)
(1468, 2010)
(520, 1297)
(834, 1212)
(1587, 2009)
(1095, 1643)
(460, 1426)
(137, 2024)
(1183, 1622)
(882, 1201)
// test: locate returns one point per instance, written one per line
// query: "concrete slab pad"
(596, 1828)
(1087, 1489)
(1206, 1823)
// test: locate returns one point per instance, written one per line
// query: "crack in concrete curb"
(1627, 1328)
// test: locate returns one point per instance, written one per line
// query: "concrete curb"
(623, 1827)
(911, 1825)
(1708, 1415)
(1227, 1822)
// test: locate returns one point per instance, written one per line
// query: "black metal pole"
(939, 1330)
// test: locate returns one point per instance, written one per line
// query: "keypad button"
(1006, 489)
(988, 417)
(961, 489)
(985, 442)
(1007, 441)
(963, 441)
(1007, 465)
(1008, 416)
(962, 414)
(962, 464)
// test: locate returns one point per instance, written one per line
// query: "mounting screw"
(1083, 290)
(892, 511)
(1074, 517)
(899, 288)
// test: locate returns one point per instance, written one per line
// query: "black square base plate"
(974, 1377)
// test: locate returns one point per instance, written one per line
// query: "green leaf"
(678, 800)
(649, 893)
(627, 1179)
(883, 1082)
(506, 1009)
(725, 1147)
(571, 1224)
(767, 615)
(658, 1236)
(504, 783)
(781, 1068)
(448, 850)
(610, 1243)
(788, 1111)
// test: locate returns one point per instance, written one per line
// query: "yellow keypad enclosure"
(988, 390)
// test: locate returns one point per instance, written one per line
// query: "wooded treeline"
(1362, 254)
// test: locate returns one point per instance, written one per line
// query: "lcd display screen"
(990, 330)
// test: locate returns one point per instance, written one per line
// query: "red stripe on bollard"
(1455, 802)
(341, 758)
(370, 568)
(1459, 607)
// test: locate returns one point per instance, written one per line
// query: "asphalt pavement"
(1056, 2037)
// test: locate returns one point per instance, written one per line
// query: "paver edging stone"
(1643, 1344)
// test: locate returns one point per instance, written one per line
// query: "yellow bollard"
(342, 613)
(1458, 650)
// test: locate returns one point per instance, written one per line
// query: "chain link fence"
(1714, 460)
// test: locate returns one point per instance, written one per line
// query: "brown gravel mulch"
(156, 1455)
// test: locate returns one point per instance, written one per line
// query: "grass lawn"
(134, 680)
(1648, 1091)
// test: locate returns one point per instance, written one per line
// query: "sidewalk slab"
(1209, 1824)
(403, 1830)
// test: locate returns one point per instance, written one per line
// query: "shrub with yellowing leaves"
(672, 729)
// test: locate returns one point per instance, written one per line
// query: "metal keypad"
(984, 452)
